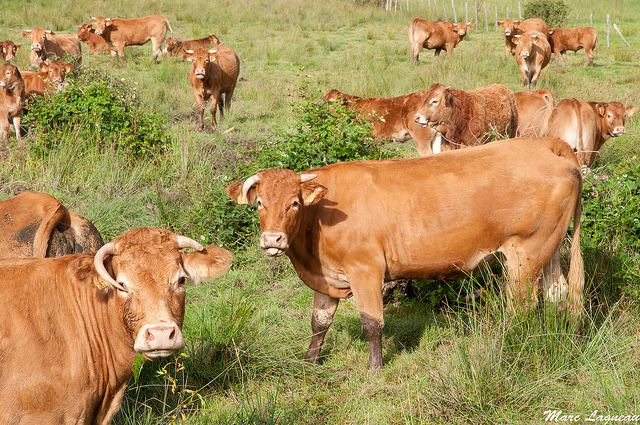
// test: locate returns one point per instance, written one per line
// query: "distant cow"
(37, 225)
(97, 44)
(214, 74)
(12, 97)
(512, 28)
(71, 326)
(350, 226)
(177, 47)
(534, 111)
(392, 118)
(119, 33)
(45, 81)
(574, 39)
(435, 35)
(586, 126)
(469, 118)
(8, 50)
(46, 44)
(532, 54)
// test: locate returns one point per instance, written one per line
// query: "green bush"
(553, 12)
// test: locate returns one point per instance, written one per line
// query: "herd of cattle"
(346, 227)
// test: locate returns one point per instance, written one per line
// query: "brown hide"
(12, 97)
(97, 44)
(435, 35)
(46, 44)
(392, 118)
(534, 111)
(8, 50)
(469, 118)
(511, 28)
(532, 55)
(44, 82)
(574, 39)
(177, 47)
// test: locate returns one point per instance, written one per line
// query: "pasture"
(450, 357)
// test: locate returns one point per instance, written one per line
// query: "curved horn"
(211, 51)
(307, 177)
(247, 185)
(98, 262)
(185, 242)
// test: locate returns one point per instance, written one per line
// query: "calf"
(574, 39)
(435, 35)
(46, 44)
(534, 111)
(512, 28)
(119, 33)
(12, 97)
(392, 118)
(97, 44)
(8, 50)
(71, 326)
(469, 118)
(532, 54)
(586, 126)
(177, 47)
(51, 76)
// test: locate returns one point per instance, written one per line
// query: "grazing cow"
(12, 97)
(214, 73)
(8, 50)
(97, 44)
(119, 33)
(586, 126)
(47, 44)
(534, 111)
(533, 53)
(392, 118)
(177, 47)
(468, 118)
(574, 39)
(71, 326)
(512, 28)
(435, 35)
(348, 227)
(45, 81)
(37, 225)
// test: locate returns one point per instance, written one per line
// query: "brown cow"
(586, 126)
(392, 118)
(12, 97)
(469, 118)
(8, 50)
(574, 39)
(177, 47)
(47, 80)
(512, 28)
(534, 110)
(533, 53)
(71, 326)
(46, 44)
(350, 226)
(213, 74)
(37, 225)
(119, 33)
(97, 44)
(435, 35)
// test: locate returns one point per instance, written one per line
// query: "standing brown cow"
(512, 28)
(177, 47)
(46, 44)
(97, 44)
(532, 54)
(392, 118)
(469, 118)
(12, 97)
(534, 111)
(435, 35)
(8, 50)
(119, 33)
(574, 39)
(43, 82)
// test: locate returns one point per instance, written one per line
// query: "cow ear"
(44, 66)
(515, 36)
(18, 47)
(234, 191)
(206, 264)
(312, 193)
(68, 67)
(26, 33)
(630, 110)
(551, 31)
(501, 23)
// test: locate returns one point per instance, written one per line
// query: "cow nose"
(36, 47)
(99, 32)
(274, 243)
(162, 338)
(524, 54)
(619, 131)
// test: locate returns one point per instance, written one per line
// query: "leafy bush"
(553, 12)
(97, 110)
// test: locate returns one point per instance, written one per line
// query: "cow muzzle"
(36, 47)
(199, 74)
(159, 340)
(618, 131)
(99, 32)
(524, 54)
(274, 243)
(421, 120)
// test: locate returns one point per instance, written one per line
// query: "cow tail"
(595, 43)
(49, 221)
(576, 266)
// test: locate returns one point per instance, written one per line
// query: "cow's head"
(613, 115)
(282, 196)
(172, 44)
(525, 43)
(201, 58)
(509, 26)
(148, 269)
(462, 27)
(214, 40)
(435, 106)
(101, 23)
(56, 70)
(38, 37)
(9, 76)
(9, 49)
(84, 32)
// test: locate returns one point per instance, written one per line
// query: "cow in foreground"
(214, 74)
(574, 39)
(512, 28)
(37, 225)
(46, 44)
(435, 35)
(392, 118)
(348, 227)
(586, 126)
(177, 47)
(71, 326)
(468, 118)
(8, 50)
(12, 97)
(96, 43)
(47, 80)
(119, 33)
(534, 111)
(533, 53)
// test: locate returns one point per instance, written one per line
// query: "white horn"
(185, 242)
(98, 262)
(247, 185)
(307, 177)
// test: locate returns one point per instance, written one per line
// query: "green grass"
(247, 332)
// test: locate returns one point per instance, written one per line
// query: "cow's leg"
(564, 56)
(589, 53)
(507, 52)
(554, 284)
(227, 98)
(200, 102)
(113, 57)
(437, 53)
(367, 292)
(5, 129)
(534, 78)
(156, 49)
(16, 125)
(324, 308)
(215, 96)
(522, 287)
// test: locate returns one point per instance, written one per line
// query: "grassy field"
(247, 332)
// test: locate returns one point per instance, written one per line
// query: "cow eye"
(259, 202)
(182, 281)
(434, 101)
(295, 204)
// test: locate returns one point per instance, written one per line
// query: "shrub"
(553, 12)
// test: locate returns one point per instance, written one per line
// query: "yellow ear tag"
(309, 199)
(99, 282)
(241, 200)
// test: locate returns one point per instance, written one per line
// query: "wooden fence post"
(444, 9)
(455, 17)
(435, 2)
(607, 30)
(591, 20)
(507, 13)
(577, 16)
(466, 12)
(519, 12)
(476, 9)
(620, 34)
(486, 20)
(496, 26)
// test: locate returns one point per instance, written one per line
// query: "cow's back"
(533, 24)
(534, 111)
(500, 109)
(229, 68)
(574, 121)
